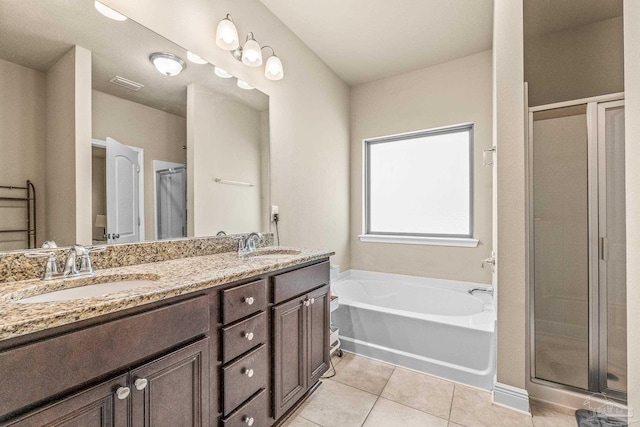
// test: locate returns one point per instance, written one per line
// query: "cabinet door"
(96, 407)
(173, 390)
(318, 334)
(289, 350)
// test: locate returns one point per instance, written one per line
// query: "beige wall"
(632, 136)
(309, 112)
(446, 94)
(68, 149)
(511, 244)
(22, 142)
(162, 136)
(576, 63)
(225, 139)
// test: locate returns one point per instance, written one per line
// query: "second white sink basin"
(87, 291)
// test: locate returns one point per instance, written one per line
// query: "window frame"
(413, 238)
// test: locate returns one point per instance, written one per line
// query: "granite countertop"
(171, 278)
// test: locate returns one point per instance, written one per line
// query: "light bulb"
(227, 34)
(222, 73)
(274, 70)
(108, 12)
(195, 58)
(251, 53)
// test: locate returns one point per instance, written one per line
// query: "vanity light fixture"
(250, 53)
(222, 73)
(167, 63)
(244, 85)
(195, 58)
(108, 12)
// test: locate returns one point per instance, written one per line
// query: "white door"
(122, 193)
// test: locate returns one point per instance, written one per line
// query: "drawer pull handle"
(248, 372)
(141, 383)
(123, 392)
(248, 420)
(249, 300)
(248, 335)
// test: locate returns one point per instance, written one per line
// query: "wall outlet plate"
(274, 210)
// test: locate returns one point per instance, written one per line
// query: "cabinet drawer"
(243, 336)
(298, 282)
(243, 300)
(65, 361)
(238, 385)
(255, 409)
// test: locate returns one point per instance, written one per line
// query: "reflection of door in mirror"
(170, 200)
(117, 190)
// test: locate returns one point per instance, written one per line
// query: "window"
(420, 185)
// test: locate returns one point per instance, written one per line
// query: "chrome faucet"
(248, 243)
(483, 290)
(71, 264)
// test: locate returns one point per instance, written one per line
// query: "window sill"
(463, 242)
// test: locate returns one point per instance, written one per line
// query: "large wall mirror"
(97, 145)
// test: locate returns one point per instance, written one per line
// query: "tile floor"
(368, 393)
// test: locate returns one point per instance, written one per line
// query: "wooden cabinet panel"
(244, 300)
(290, 379)
(301, 281)
(253, 413)
(173, 390)
(243, 378)
(243, 336)
(95, 407)
(318, 334)
(67, 360)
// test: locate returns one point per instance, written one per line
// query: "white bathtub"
(430, 325)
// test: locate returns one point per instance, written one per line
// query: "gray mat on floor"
(588, 418)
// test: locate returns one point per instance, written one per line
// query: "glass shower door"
(560, 196)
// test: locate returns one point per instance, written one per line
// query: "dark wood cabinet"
(173, 390)
(98, 406)
(301, 346)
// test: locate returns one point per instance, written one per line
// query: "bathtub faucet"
(485, 290)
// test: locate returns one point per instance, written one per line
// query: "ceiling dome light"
(195, 58)
(251, 52)
(167, 63)
(108, 12)
(222, 73)
(273, 69)
(244, 85)
(227, 34)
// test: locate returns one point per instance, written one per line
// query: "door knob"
(248, 420)
(248, 335)
(248, 372)
(249, 300)
(141, 383)
(123, 392)
(313, 300)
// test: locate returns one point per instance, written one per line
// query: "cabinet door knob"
(306, 303)
(248, 372)
(141, 383)
(249, 300)
(248, 335)
(123, 392)
(313, 300)
(248, 420)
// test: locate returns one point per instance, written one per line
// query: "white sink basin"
(87, 291)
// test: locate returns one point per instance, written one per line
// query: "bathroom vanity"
(217, 340)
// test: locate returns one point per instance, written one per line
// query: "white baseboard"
(511, 397)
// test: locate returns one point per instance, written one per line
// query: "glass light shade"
(252, 54)
(222, 73)
(195, 58)
(168, 64)
(108, 12)
(227, 35)
(273, 70)
(244, 85)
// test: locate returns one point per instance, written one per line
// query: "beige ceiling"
(366, 40)
(36, 33)
(550, 16)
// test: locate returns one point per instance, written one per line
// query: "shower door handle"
(487, 156)
(604, 253)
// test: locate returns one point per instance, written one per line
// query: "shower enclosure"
(577, 245)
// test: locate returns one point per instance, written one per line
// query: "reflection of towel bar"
(227, 182)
